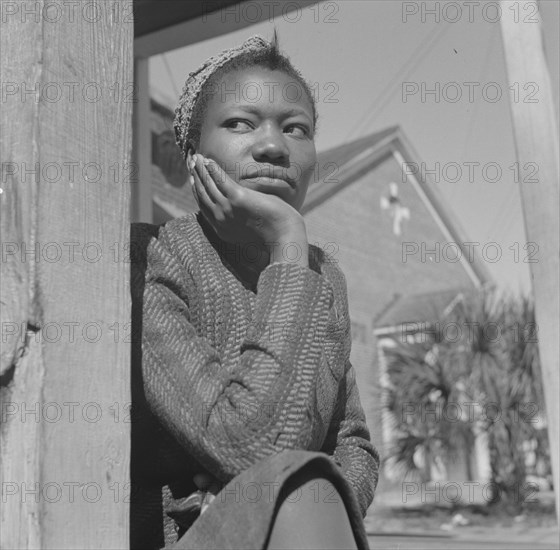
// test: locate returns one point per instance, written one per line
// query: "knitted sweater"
(235, 369)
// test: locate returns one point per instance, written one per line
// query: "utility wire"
(489, 50)
(170, 74)
(409, 66)
(504, 218)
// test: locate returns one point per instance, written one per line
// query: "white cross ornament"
(397, 211)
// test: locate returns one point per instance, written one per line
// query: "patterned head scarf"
(195, 81)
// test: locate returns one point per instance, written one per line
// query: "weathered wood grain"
(536, 139)
(21, 366)
(75, 294)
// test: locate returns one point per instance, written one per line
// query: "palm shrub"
(524, 394)
(423, 380)
(486, 355)
(492, 361)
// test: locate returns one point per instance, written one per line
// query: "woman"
(242, 385)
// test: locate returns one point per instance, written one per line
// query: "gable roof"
(341, 166)
(427, 307)
(346, 152)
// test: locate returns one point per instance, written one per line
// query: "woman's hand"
(205, 482)
(241, 215)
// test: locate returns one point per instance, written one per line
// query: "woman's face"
(259, 128)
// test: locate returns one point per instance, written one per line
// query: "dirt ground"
(536, 522)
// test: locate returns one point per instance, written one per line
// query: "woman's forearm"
(231, 410)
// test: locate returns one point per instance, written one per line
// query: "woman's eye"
(239, 125)
(296, 130)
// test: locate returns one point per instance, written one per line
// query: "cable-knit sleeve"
(230, 412)
(348, 439)
(351, 447)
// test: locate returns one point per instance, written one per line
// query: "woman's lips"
(267, 182)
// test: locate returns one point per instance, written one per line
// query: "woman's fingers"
(223, 182)
(200, 190)
(206, 482)
(207, 501)
(212, 190)
(204, 203)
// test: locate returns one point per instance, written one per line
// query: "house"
(421, 318)
(388, 228)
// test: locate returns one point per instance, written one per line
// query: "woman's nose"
(270, 145)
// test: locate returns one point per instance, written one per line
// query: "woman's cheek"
(307, 171)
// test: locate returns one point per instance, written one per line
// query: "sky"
(374, 63)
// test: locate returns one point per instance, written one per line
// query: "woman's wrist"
(293, 249)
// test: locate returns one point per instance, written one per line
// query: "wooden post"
(66, 73)
(142, 150)
(536, 139)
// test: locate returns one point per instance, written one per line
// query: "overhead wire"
(504, 218)
(407, 68)
(489, 48)
(170, 74)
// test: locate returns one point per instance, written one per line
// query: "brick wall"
(352, 225)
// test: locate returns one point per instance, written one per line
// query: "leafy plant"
(491, 360)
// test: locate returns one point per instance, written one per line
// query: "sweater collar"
(230, 255)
